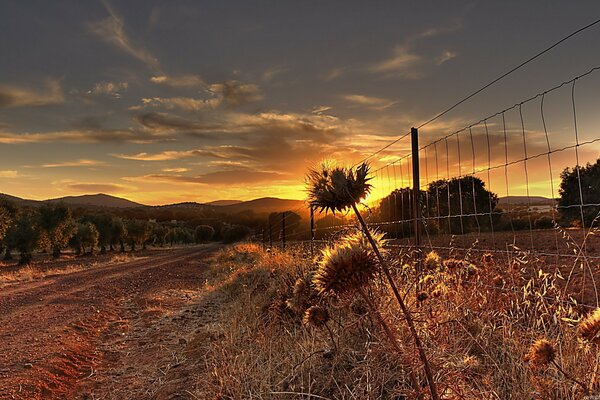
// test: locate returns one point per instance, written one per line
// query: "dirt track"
(92, 334)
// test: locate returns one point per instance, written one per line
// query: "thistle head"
(589, 328)
(302, 291)
(347, 265)
(316, 316)
(487, 260)
(336, 188)
(432, 260)
(541, 353)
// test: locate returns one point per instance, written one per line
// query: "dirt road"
(106, 332)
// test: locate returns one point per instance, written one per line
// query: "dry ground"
(115, 331)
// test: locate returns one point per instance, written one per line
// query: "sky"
(170, 101)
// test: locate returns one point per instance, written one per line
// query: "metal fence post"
(416, 209)
(270, 234)
(312, 231)
(283, 230)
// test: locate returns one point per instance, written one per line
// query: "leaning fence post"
(414, 133)
(283, 230)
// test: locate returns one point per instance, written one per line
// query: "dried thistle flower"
(498, 281)
(348, 265)
(452, 263)
(488, 260)
(541, 353)
(301, 294)
(432, 260)
(422, 296)
(336, 188)
(316, 316)
(589, 328)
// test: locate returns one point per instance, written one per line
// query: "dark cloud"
(224, 177)
(11, 96)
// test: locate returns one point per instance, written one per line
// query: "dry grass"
(39, 271)
(477, 324)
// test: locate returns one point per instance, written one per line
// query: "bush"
(235, 233)
(204, 233)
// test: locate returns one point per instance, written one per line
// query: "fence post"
(270, 235)
(312, 231)
(416, 209)
(283, 230)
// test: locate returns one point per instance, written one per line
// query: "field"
(225, 322)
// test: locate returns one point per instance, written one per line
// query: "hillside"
(264, 205)
(223, 202)
(524, 200)
(96, 200)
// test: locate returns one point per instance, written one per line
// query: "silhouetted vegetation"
(580, 194)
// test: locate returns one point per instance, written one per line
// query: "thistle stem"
(405, 311)
(569, 377)
(392, 338)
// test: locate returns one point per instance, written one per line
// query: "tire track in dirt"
(52, 333)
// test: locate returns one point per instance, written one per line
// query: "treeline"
(53, 228)
(463, 205)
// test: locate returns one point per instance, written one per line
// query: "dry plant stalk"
(337, 188)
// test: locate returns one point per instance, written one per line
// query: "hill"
(96, 200)
(524, 200)
(223, 202)
(265, 205)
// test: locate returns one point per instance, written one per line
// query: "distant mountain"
(524, 200)
(258, 206)
(223, 202)
(96, 200)
(265, 205)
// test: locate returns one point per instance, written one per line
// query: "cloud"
(184, 103)
(235, 93)
(375, 103)
(111, 30)
(447, 55)
(332, 74)
(402, 62)
(168, 155)
(183, 81)
(77, 163)
(178, 170)
(320, 109)
(9, 174)
(270, 73)
(11, 96)
(113, 89)
(225, 177)
(83, 136)
(97, 187)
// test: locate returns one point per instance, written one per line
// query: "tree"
(158, 234)
(104, 226)
(56, 226)
(24, 236)
(397, 206)
(138, 232)
(235, 233)
(118, 233)
(204, 233)
(8, 216)
(573, 203)
(87, 236)
(292, 223)
(460, 205)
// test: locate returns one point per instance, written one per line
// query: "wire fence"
(525, 178)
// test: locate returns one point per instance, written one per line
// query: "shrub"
(235, 233)
(543, 222)
(204, 233)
